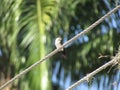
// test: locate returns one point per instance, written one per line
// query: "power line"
(114, 61)
(57, 50)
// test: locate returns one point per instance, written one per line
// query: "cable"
(57, 50)
(90, 75)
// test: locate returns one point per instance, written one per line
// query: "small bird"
(58, 45)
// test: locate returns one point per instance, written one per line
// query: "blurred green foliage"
(27, 32)
(93, 49)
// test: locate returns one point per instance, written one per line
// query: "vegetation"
(27, 32)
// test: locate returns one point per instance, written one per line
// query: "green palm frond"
(37, 18)
(22, 36)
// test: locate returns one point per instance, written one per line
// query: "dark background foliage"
(27, 33)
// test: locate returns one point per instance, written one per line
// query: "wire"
(57, 50)
(90, 75)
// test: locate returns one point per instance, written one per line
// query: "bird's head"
(58, 40)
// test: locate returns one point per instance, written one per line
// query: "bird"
(58, 45)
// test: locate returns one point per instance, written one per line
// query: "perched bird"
(58, 45)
